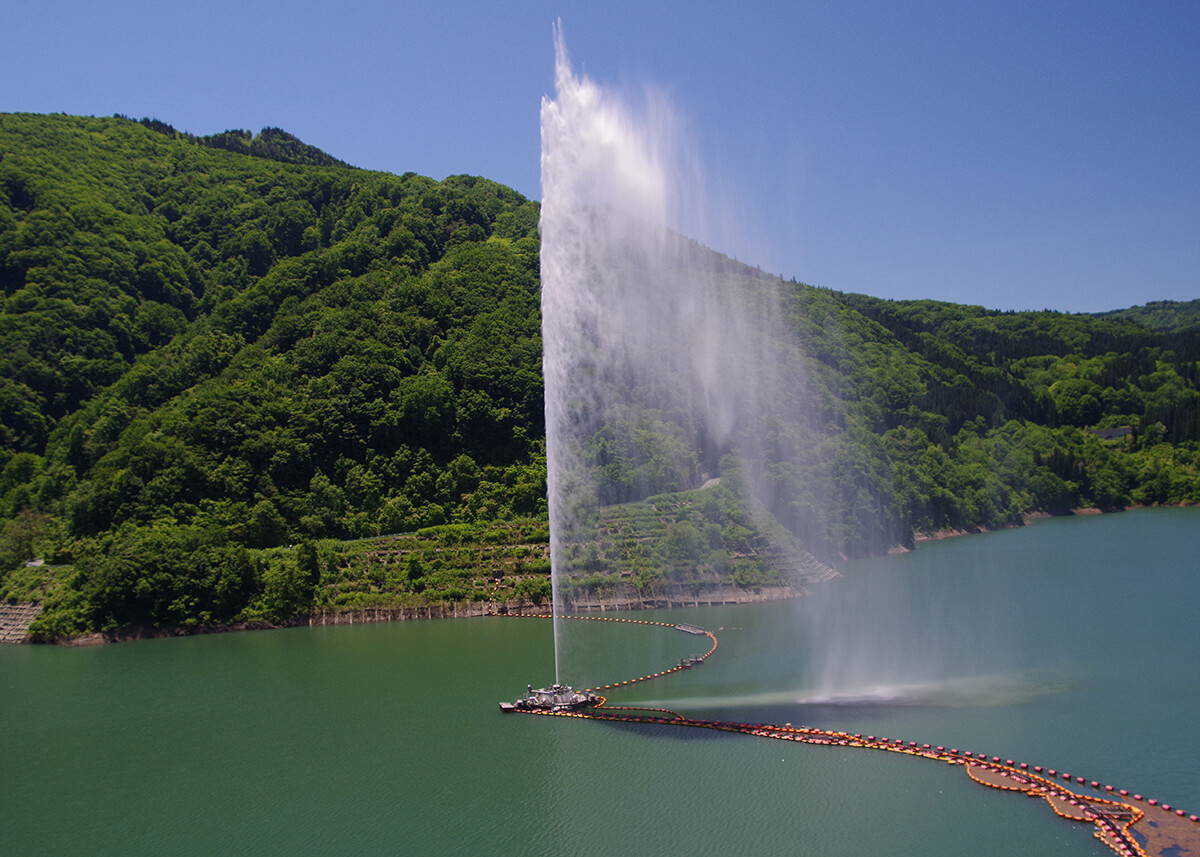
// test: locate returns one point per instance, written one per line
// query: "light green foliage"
(215, 348)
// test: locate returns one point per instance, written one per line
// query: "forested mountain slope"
(1164, 316)
(214, 351)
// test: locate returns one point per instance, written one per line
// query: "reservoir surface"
(1070, 643)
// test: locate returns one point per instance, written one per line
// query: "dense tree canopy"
(216, 348)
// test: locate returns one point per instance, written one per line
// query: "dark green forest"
(242, 381)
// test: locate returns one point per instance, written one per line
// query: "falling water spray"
(668, 367)
(601, 179)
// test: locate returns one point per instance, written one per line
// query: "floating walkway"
(1130, 825)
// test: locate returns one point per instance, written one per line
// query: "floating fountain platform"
(556, 697)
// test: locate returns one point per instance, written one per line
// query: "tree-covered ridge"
(1163, 316)
(253, 352)
(220, 366)
(1050, 368)
(272, 143)
(964, 417)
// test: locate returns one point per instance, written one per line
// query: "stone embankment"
(15, 620)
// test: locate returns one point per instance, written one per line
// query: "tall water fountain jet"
(667, 368)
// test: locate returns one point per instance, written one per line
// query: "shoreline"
(629, 600)
(1026, 519)
(445, 610)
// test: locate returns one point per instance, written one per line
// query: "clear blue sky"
(1018, 155)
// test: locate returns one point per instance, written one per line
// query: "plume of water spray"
(601, 179)
(661, 357)
(668, 365)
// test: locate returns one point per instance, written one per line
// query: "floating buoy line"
(1129, 824)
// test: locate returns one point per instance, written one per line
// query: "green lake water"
(1071, 643)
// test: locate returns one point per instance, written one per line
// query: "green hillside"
(1163, 316)
(226, 359)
